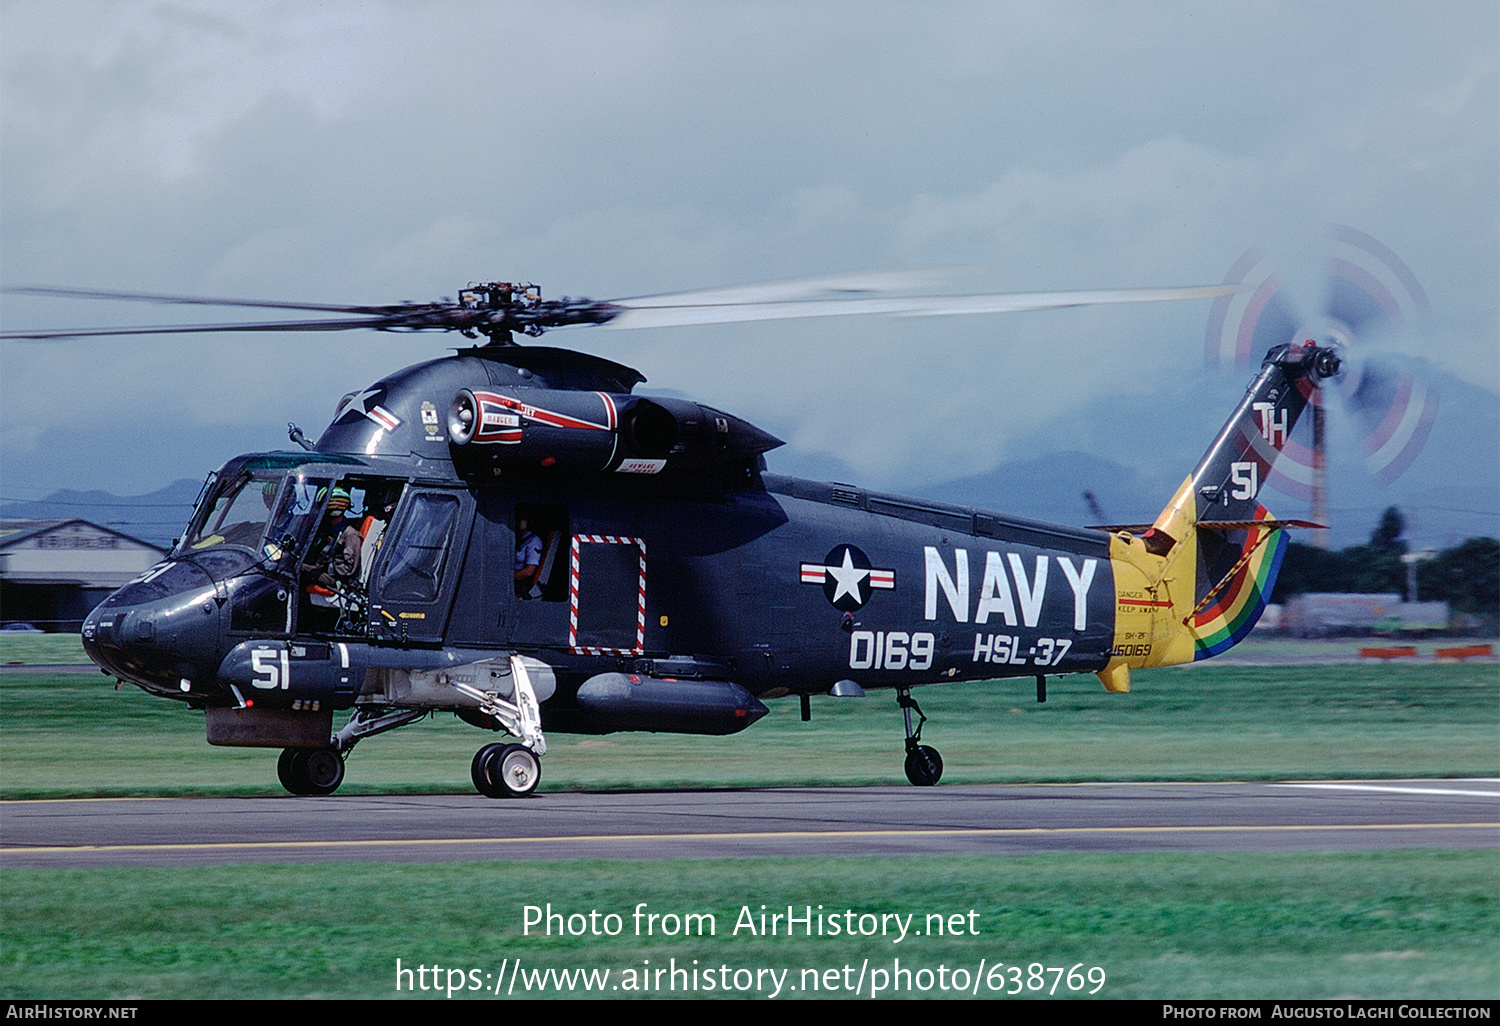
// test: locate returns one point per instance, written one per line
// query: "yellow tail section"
(1154, 593)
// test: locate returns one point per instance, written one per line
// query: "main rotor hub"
(505, 307)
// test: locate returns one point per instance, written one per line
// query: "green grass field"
(74, 735)
(1409, 923)
(1385, 924)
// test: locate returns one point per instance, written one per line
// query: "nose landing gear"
(319, 771)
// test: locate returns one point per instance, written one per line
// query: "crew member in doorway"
(528, 559)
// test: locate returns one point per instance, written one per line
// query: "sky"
(377, 152)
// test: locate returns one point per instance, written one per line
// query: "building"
(1322, 615)
(52, 572)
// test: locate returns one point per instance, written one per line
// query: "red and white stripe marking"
(384, 417)
(640, 611)
(817, 573)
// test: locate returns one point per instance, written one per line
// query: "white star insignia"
(847, 578)
(359, 400)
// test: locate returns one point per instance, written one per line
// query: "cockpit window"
(235, 513)
(302, 500)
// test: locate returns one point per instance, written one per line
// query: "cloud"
(382, 151)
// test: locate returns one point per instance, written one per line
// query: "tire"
(481, 773)
(516, 770)
(323, 770)
(291, 770)
(924, 766)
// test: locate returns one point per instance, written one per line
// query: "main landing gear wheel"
(924, 766)
(310, 771)
(479, 773)
(505, 771)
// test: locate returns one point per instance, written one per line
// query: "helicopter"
(514, 534)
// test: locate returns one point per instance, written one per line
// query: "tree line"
(1466, 576)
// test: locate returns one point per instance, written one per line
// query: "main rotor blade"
(808, 297)
(798, 289)
(659, 316)
(152, 297)
(189, 329)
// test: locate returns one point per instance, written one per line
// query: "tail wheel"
(924, 766)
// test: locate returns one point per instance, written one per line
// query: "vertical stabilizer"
(1196, 582)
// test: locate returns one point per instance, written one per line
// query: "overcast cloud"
(374, 152)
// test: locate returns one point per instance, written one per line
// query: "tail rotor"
(1368, 293)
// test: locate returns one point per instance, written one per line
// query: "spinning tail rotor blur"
(1367, 292)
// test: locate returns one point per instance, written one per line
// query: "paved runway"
(879, 821)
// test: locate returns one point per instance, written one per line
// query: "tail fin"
(1197, 580)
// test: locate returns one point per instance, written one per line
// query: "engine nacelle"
(626, 434)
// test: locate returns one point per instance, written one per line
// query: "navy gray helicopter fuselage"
(533, 546)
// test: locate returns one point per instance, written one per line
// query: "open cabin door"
(415, 576)
(589, 590)
(607, 595)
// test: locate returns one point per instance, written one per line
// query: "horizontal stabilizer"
(1245, 525)
(1216, 525)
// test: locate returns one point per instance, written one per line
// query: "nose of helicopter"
(161, 631)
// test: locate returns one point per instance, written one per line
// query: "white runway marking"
(1394, 789)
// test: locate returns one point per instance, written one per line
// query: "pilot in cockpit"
(334, 559)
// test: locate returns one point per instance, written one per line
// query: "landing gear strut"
(924, 766)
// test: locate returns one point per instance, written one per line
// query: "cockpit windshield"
(234, 513)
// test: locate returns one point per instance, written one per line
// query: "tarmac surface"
(1013, 819)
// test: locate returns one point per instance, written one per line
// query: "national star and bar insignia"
(847, 577)
(367, 404)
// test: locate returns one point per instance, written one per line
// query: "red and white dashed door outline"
(611, 597)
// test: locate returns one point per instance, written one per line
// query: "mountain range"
(1137, 454)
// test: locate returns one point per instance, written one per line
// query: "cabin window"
(548, 581)
(414, 569)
